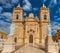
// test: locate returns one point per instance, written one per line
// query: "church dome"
(31, 15)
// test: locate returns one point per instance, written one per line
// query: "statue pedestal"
(9, 45)
(8, 48)
(52, 47)
(2, 44)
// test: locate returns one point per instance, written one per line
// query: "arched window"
(2, 37)
(45, 17)
(15, 39)
(30, 29)
(17, 16)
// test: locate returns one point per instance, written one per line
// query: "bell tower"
(17, 14)
(17, 20)
(44, 20)
(44, 14)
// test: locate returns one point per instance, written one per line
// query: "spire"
(44, 6)
(18, 5)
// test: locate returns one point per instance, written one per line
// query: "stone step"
(29, 48)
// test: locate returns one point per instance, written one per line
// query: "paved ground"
(29, 48)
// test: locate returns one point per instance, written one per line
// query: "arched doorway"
(31, 39)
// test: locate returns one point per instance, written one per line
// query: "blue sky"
(6, 9)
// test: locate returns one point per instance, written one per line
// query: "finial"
(18, 5)
(31, 15)
(44, 6)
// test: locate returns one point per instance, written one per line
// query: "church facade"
(30, 29)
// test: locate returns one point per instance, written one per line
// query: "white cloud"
(55, 16)
(35, 9)
(58, 19)
(3, 1)
(25, 14)
(36, 17)
(44, 0)
(7, 14)
(27, 5)
(55, 26)
(11, 3)
(4, 26)
(1, 9)
(59, 10)
(8, 3)
(15, 1)
(52, 3)
(5, 22)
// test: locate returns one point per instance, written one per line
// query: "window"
(45, 17)
(33, 31)
(27, 31)
(15, 40)
(37, 29)
(30, 29)
(2, 37)
(17, 17)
